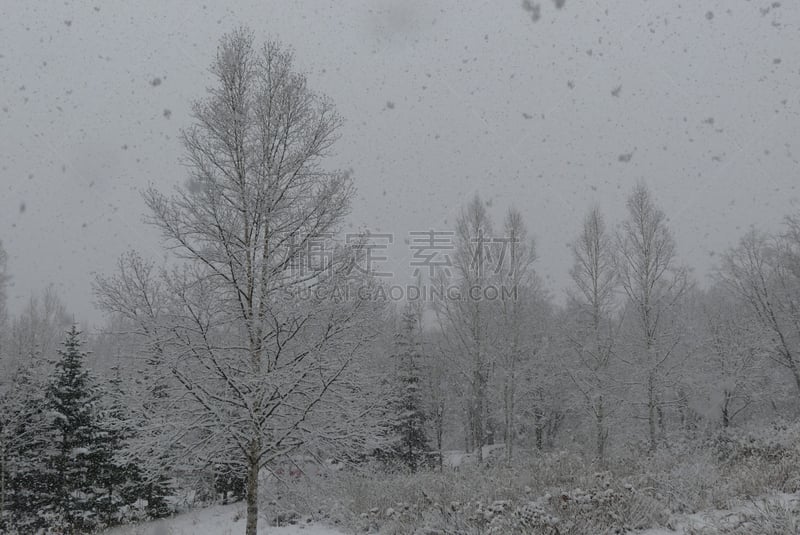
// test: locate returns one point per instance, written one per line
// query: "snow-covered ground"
(456, 458)
(229, 520)
(216, 520)
(724, 517)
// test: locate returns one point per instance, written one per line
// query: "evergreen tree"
(72, 402)
(111, 474)
(411, 442)
(22, 443)
(141, 468)
(81, 481)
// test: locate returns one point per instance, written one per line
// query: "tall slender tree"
(410, 425)
(594, 330)
(519, 294)
(4, 279)
(654, 283)
(464, 314)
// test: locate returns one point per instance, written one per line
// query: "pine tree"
(411, 441)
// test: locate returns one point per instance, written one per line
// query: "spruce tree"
(411, 441)
(72, 402)
(141, 470)
(110, 474)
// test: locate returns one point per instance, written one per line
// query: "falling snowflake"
(533, 9)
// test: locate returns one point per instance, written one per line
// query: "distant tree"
(4, 278)
(592, 329)
(466, 317)
(35, 333)
(544, 387)
(654, 284)
(438, 395)
(735, 351)
(518, 300)
(761, 272)
(410, 419)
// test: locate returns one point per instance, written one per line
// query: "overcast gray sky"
(441, 100)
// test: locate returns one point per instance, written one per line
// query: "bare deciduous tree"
(255, 331)
(465, 314)
(735, 355)
(595, 277)
(520, 289)
(654, 285)
(757, 270)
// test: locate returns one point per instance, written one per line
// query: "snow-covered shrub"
(544, 493)
(609, 506)
(499, 500)
(765, 518)
(685, 481)
(286, 517)
(761, 460)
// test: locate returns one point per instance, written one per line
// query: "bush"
(765, 518)
(559, 492)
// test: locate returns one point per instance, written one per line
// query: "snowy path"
(217, 520)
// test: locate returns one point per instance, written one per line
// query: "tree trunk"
(538, 428)
(252, 496)
(509, 420)
(468, 435)
(726, 420)
(651, 411)
(440, 434)
(602, 434)
(478, 405)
